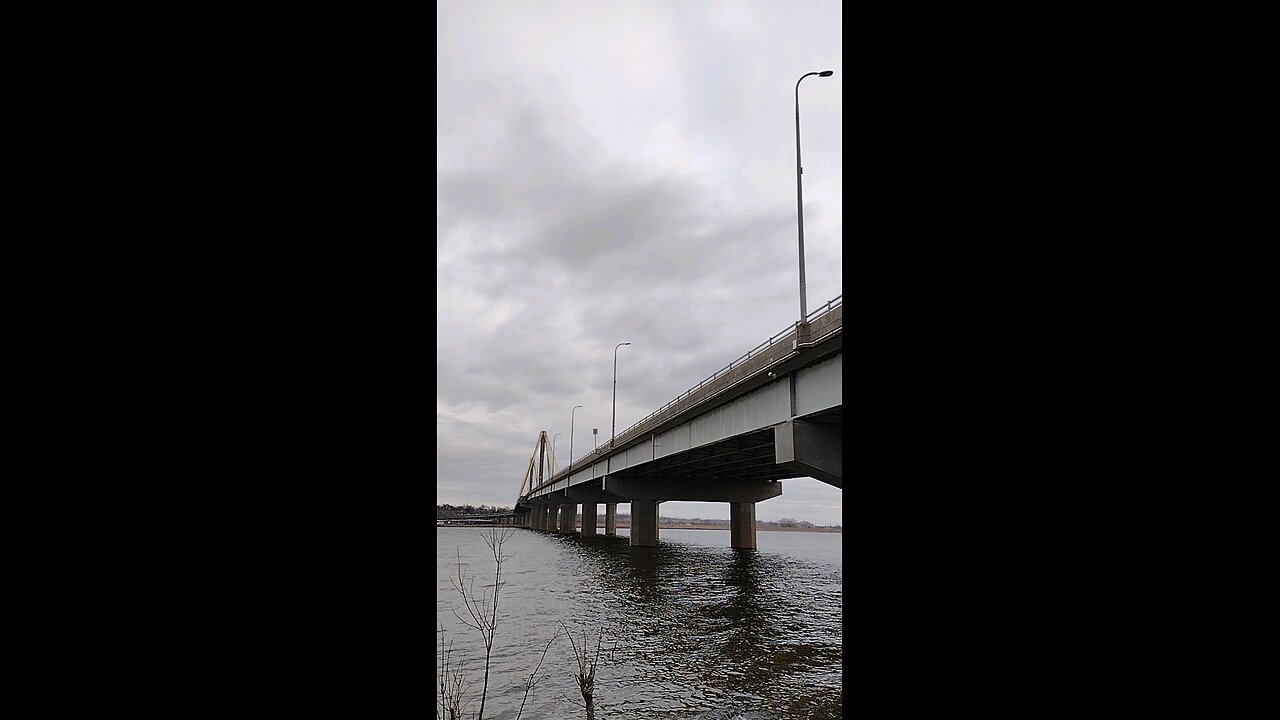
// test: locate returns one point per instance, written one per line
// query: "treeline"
(784, 522)
(447, 511)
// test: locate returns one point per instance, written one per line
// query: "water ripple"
(696, 628)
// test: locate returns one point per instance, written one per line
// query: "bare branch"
(533, 679)
(483, 609)
(587, 662)
(450, 682)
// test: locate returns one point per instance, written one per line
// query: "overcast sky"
(614, 172)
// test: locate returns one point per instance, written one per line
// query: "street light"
(571, 412)
(614, 430)
(804, 311)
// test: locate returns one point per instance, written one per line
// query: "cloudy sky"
(614, 172)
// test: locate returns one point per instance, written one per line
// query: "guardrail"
(834, 302)
(831, 304)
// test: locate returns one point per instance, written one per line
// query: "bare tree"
(450, 677)
(588, 658)
(482, 610)
(482, 616)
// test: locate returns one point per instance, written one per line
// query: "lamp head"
(826, 73)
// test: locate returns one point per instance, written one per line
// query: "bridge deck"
(751, 452)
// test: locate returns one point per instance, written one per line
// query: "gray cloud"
(597, 186)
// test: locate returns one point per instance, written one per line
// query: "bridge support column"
(567, 518)
(742, 525)
(644, 523)
(535, 517)
(611, 519)
(589, 518)
(544, 517)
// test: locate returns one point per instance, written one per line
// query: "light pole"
(571, 412)
(804, 310)
(614, 430)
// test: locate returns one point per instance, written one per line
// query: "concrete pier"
(568, 516)
(611, 519)
(541, 513)
(742, 525)
(589, 519)
(644, 523)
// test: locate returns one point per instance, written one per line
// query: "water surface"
(690, 627)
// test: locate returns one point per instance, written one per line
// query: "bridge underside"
(758, 456)
(741, 470)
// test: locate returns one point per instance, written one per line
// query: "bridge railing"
(765, 346)
(834, 302)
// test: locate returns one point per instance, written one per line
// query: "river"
(692, 628)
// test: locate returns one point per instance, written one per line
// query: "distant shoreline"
(685, 526)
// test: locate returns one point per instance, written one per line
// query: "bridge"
(773, 414)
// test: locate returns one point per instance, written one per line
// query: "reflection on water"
(700, 627)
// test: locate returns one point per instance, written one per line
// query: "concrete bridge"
(774, 413)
